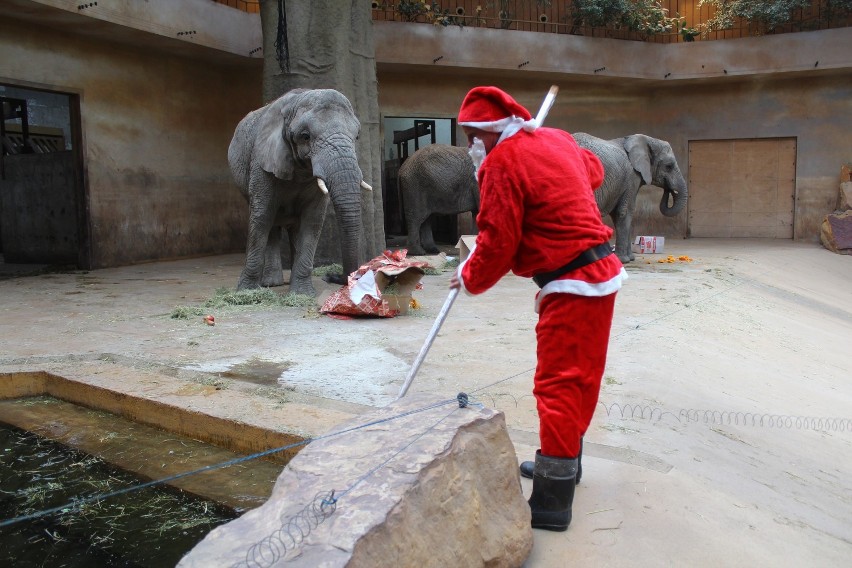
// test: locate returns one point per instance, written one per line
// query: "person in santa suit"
(538, 218)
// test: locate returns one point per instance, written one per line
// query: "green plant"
(834, 10)
(767, 15)
(687, 33)
(646, 17)
(410, 10)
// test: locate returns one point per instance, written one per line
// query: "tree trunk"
(329, 45)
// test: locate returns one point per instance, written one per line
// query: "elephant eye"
(304, 136)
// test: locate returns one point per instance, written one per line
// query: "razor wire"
(76, 504)
(293, 530)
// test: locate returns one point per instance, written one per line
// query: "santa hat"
(491, 109)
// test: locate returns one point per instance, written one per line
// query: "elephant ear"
(272, 149)
(639, 153)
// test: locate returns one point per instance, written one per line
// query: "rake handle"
(429, 339)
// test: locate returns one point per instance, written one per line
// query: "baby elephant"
(436, 179)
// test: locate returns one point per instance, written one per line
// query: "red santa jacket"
(537, 213)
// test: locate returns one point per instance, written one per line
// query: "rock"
(845, 198)
(836, 232)
(436, 487)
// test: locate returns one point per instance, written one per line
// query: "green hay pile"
(321, 271)
(448, 266)
(226, 298)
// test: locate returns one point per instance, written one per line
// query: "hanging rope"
(282, 52)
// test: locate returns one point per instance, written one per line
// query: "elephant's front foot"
(335, 278)
(414, 248)
(247, 282)
(271, 279)
(302, 288)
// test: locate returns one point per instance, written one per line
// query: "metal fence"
(556, 16)
(251, 6)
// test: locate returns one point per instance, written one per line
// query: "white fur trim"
(581, 288)
(492, 126)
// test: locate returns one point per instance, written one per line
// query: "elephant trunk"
(343, 178)
(680, 194)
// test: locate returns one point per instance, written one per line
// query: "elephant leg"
(305, 238)
(414, 234)
(427, 241)
(273, 273)
(622, 218)
(260, 225)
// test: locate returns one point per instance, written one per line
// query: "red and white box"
(648, 244)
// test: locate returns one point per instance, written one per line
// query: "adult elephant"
(629, 163)
(289, 159)
(436, 179)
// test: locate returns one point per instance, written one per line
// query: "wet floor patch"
(256, 370)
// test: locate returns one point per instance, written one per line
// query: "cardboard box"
(648, 244)
(398, 302)
(464, 245)
(396, 286)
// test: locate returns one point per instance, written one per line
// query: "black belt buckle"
(586, 257)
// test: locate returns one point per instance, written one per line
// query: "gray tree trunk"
(330, 46)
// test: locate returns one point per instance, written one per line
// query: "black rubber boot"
(528, 466)
(553, 492)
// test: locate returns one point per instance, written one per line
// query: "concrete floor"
(693, 458)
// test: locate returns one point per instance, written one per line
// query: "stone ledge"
(413, 487)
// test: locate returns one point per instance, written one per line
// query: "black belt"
(588, 256)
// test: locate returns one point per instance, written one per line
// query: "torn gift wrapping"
(382, 287)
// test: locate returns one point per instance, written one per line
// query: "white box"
(464, 245)
(648, 244)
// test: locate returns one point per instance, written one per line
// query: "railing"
(556, 17)
(251, 6)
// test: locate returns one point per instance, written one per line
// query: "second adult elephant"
(436, 179)
(629, 163)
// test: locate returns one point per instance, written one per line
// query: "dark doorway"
(42, 199)
(403, 137)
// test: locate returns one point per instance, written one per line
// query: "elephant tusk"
(366, 185)
(322, 186)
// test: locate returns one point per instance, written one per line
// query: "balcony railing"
(251, 6)
(556, 17)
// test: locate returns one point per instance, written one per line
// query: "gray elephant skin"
(291, 158)
(436, 179)
(629, 163)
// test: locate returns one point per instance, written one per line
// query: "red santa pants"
(573, 335)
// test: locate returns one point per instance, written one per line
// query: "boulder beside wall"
(420, 482)
(836, 232)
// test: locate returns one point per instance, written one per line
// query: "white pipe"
(429, 339)
(545, 105)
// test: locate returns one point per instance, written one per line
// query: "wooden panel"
(742, 188)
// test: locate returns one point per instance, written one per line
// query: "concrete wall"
(158, 109)
(156, 122)
(797, 85)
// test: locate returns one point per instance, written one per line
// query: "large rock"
(420, 482)
(836, 232)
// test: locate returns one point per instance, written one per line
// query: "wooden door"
(742, 188)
